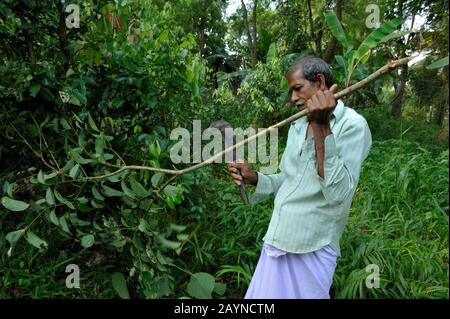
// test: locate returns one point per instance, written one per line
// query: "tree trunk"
(397, 104)
(255, 40)
(312, 34)
(201, 35)
(396, 108)
(32, 55)
(62, 34)
(251, 40)
(442, 107)
(332, 43)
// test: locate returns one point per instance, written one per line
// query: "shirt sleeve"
(343, 159)
(267, 185)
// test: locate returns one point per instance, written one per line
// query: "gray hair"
(311, 67)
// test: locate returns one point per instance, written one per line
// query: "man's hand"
(321, 105)
(249, 176)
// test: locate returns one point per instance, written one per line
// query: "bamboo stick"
(388, 67)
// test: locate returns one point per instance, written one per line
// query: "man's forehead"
(296, 77)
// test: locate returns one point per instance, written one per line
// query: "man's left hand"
(321, 105)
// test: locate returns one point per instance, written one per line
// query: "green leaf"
(155, 149)
(97, 194)
(138, 189)
(35, 241)
(92, 123)
(100, 144)
(169, 243)
(74, 171)
(170, 202)
(87, 241)
(156, 179)
(394, 35)
(201, 285)
(438, 64)
(177, 228)
(81, 140)
(220, 288)
(126, 190)
(120, 285)
(110, 192)
(376, 37)
(14, 205)
(143, 225)
(338, 32)
(40, 177)
(63, 224)
(182, 237)
(49, 176)
(53, 218)
(69, 72)
(272, 52)
(62, 200)
(96, 205)
(14, 236)
(34, 89)
(74, 153)
(343, 64)
(64, 123)
(174, 191)
(49, 197)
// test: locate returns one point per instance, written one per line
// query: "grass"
(398, 222)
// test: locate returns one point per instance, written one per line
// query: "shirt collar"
(335, 116)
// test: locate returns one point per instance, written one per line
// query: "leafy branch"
(388, 67)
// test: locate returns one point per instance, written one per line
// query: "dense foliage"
(80, 105)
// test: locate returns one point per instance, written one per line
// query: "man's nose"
(294, 97)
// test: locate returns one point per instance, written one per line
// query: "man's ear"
(321, 82)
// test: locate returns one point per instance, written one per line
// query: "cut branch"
(385, 69)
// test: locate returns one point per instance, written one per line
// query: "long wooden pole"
(388, 67)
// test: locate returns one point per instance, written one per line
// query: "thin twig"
(167, 183)
(42, 138)
(35, 152)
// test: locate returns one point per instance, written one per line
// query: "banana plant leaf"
(338, 31)
(376, 37)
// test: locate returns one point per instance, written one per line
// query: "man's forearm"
(320, 132)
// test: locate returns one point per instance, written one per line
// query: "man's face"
(301, 90)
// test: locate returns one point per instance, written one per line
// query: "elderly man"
(319, 172)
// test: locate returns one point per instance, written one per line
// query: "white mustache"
(300, 103)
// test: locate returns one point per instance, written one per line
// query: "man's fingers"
(237, 179)
(236, 176)
(321, 98)
(235, 165)
(315, 102)
(333, 88)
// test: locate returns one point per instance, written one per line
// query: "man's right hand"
(249, 176)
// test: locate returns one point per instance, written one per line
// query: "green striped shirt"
(310, 212)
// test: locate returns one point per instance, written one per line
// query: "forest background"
(87, 87)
